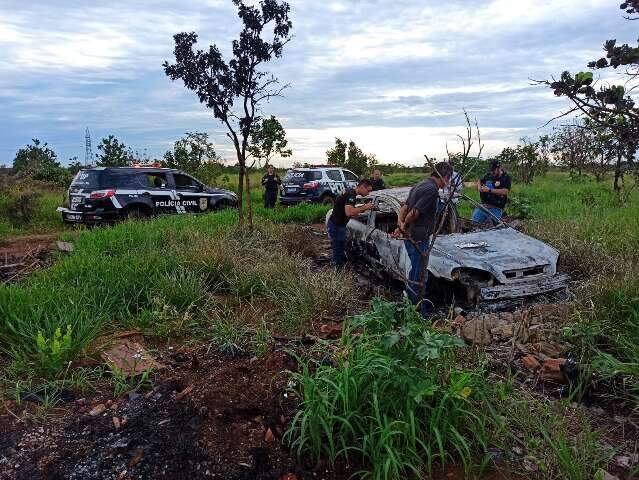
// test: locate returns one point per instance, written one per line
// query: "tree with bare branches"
(236, 89)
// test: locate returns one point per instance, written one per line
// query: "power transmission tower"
(88, 153)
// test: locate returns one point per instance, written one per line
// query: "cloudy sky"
(392, 75)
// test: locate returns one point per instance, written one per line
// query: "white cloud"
(394, 144)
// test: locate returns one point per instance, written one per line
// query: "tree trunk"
(240, 194)
(249, 209)
(618, 172)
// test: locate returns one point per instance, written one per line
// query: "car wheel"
(328, 200)
(136, 213)
(223, 205)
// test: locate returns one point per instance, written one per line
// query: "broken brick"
(97, 410)
(269, 437)
(551, 370)
(331, 331)
(531, 363)
(184, 393)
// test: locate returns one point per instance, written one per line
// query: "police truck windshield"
(296, 176)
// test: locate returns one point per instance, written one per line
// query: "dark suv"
(104, 195)
(321, 184)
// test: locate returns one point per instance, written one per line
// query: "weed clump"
(392, 400)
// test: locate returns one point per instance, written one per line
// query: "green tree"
(235, 90)
(113, 153)
(350, 156)
(607, 105)
(573, 147)
(35, 159)
(267, 140)
(527, 160)
(191, 152)
(39, 162)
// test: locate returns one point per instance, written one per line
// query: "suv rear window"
(302, 175)
(87, 179)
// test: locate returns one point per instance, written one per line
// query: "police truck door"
(191, 195)
(154, 189)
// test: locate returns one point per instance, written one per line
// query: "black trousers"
(270, 197)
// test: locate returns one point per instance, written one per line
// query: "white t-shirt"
(445, 192)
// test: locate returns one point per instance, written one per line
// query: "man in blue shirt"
(493, 191)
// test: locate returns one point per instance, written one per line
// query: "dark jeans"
(412, 286)
(270, 197)
(337, 234)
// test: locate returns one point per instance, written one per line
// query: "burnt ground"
(214, 416)
(208, 416)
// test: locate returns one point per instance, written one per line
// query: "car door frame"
(188, 201)
(392, 252)
(336, 187)
(348, 183)
(152, 194)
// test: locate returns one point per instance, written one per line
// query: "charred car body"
(105, 195)
(485, 263)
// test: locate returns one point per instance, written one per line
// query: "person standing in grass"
(271, 183)
(343, 209)
(416, 223)
(377, 181)
(493, 191)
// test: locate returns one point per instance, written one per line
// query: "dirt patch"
(22, 255)
(211, 417)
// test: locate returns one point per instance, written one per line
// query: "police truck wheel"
(136, 213)
(328, 200)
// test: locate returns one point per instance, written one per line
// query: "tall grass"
(177, 269)
(393, 401)
(45, 219)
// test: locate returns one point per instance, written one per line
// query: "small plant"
(54, 351)
(123, 384)
(262, 340)
(519, 207)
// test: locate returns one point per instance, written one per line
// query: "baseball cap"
(495, 164)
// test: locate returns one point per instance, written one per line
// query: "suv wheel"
(328, 200)
(136, 213)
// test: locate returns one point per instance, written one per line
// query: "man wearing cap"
(493, 191)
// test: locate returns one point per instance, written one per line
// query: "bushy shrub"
(519, 206)
(19, 206)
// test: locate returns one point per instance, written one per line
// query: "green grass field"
(400, 394)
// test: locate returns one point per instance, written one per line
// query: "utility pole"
(88, 153)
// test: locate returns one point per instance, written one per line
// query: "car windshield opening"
(385, 218)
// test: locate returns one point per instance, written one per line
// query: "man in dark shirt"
(416, 223)
(493, 191)
(343, 209)
(377, 181)
(271, 182)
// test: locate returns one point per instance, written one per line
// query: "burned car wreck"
(471, 262)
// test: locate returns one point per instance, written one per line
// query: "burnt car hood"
(495, 250)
